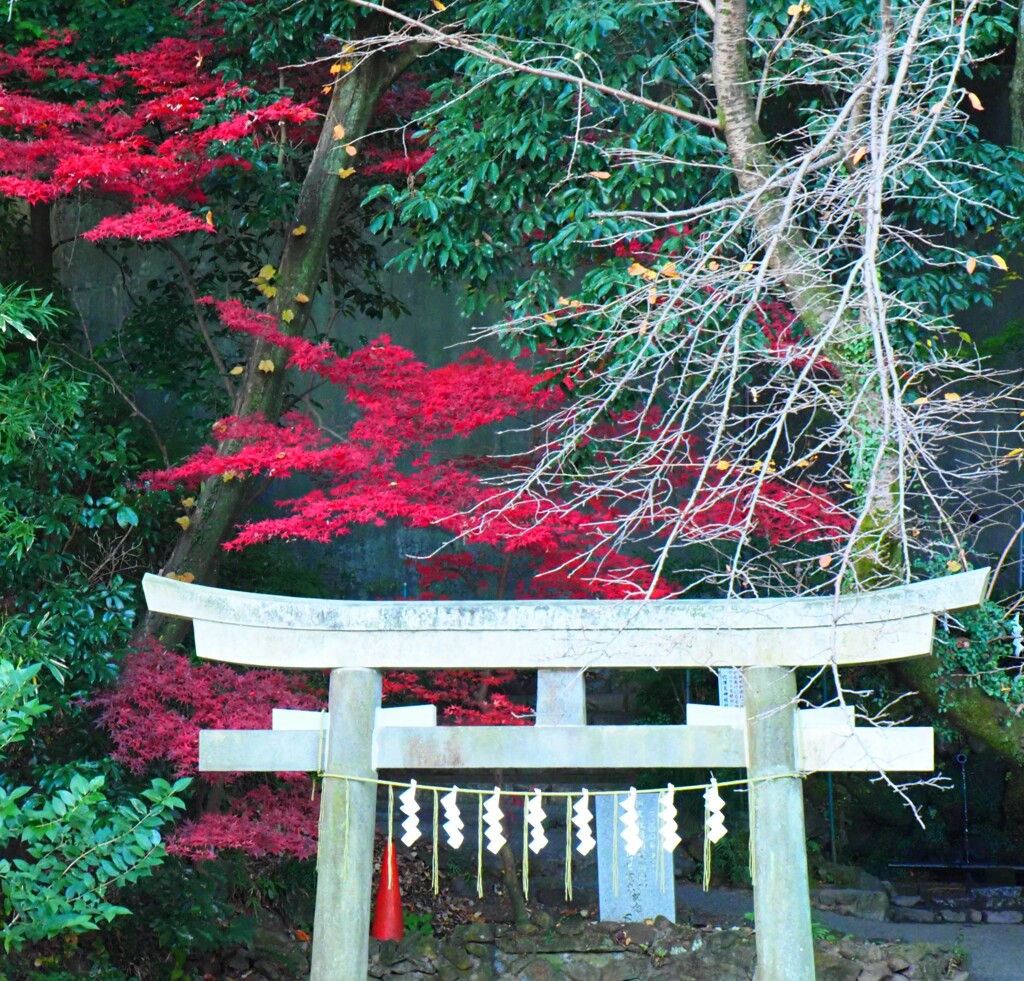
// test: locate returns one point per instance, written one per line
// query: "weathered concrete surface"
(302, 633)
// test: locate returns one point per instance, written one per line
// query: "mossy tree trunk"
(299, 273)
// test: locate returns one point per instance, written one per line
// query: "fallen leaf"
(301, 298)
(953, 565)
(183, 522)
(237, 370)
(299, 230)
(266, 366)
(346, 172)
(287, 316)
(975, 102)
(1000, 262)
(302, 935)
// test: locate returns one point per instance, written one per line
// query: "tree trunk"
(41, 246)
(300, 271)
(1017, 84)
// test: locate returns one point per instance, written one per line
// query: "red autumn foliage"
(398, 463)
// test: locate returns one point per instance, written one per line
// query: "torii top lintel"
(285, 632)
(280, 631)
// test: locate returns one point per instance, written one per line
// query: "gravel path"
(997, 950)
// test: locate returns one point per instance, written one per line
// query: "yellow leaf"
(951, 397)
(346, 66)
(268, 291)
(351, 150)
(975, 102)
(438, 5)
(713, 266)
(953, 565)
(859, 156)
(563, 301)
(266, 272)
(188, 502)
(326, 90)
(339, 132)
(266, 366)
(794, 10)
(824, 561)
(346, 172)
(301, 298)
(228, 475)
(964, 336)
(1013, 453)
(287, 316)
(209, 218)
(936, 109)
(601, 175)
(972, 264)
(669, 271)
(637, 270)
(183, 522)
(182, 576)
(652, 296)
(747, 267)
(920, 401)
(336, 68)
(722, 465)
(237, 370)
(547, 318)
(1000, 262)
(803, 463)
(348, 49)
(299, 230)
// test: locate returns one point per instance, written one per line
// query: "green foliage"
(67, 847)
(982, 647)
(72, 832)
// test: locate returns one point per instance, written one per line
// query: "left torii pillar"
(348, 810)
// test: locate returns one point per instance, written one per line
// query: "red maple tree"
(399, 462)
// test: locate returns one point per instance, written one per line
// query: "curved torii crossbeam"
(561, 639)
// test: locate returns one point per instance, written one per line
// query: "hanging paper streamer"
(411, 824)
(535, 819)
(492, 819)
(452, 818)
(714, 825)
(583, 819)
(714, 819)
(631, 824)
(668, 828)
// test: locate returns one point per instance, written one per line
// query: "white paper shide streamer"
(535, 820)
(631, 824)
(411, 824)
(452, 818)
(492, 820)
(714, 819)
(583, 818)
(667, 826)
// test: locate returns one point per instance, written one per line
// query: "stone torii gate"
(774, 740)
